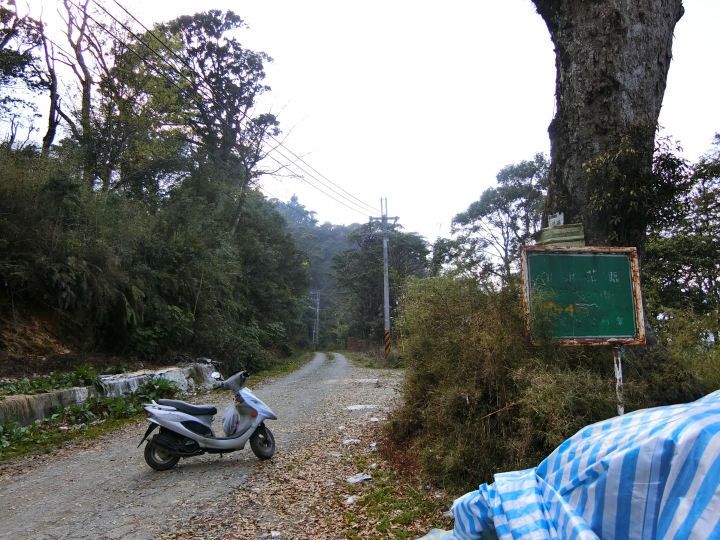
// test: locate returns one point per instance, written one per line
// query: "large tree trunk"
(612, 60)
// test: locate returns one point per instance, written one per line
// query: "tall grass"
(478, 401)
(691, 340)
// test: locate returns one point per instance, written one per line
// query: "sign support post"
(617, 354)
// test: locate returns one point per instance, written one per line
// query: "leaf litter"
(303, 491)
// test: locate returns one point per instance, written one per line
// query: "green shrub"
(83, 375)
(690, 339)
(122, 367)
(13, 434)
(74, 415)
(478, 401)
(119, 407)
(154, 389)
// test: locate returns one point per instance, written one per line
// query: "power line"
(325, 177)
(299, 177)
(192, 85)
(280, 143)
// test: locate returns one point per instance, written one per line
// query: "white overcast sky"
(423, 102)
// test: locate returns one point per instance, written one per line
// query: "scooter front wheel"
(159, 458)
(262, 443)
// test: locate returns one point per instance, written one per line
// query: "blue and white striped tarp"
(653, 473)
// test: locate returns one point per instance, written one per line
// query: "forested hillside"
(134, 226)
(346, 270)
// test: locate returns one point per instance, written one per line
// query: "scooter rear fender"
(152, 427)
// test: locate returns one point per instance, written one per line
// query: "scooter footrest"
(195, 410)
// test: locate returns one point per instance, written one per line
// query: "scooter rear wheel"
(159, 458)
(262, 443)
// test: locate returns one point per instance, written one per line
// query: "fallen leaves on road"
(303, 492)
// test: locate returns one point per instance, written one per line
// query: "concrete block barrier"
(26, 409)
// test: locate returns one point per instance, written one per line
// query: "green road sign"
(582, 295)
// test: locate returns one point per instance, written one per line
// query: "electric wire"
(302, 179)
(298, 212)
(279, 143)
(317, 188)
(283, 165)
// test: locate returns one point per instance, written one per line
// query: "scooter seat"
(195, 410)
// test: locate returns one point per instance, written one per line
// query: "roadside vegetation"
(87, 419)
(373, 357)
(478, 401)
(396, 504)
(80, 376)
(97, 414)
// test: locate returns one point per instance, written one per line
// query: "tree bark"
(79, 44)
(52, 85)
(612, 59)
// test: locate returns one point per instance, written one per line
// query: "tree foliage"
(141, 231)
(20, 38)
(358, 273)
(682, 265)
(220, 81)
(488, 235)
(20, 69)
(630, 198)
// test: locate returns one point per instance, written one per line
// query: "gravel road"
(103, 488)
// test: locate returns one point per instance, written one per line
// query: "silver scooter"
(186, 430)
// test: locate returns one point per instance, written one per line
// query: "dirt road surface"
(102, 489)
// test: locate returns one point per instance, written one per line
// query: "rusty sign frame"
(630, 252)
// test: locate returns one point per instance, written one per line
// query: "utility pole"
(384, 219)
(317, 319)
(316, 325)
